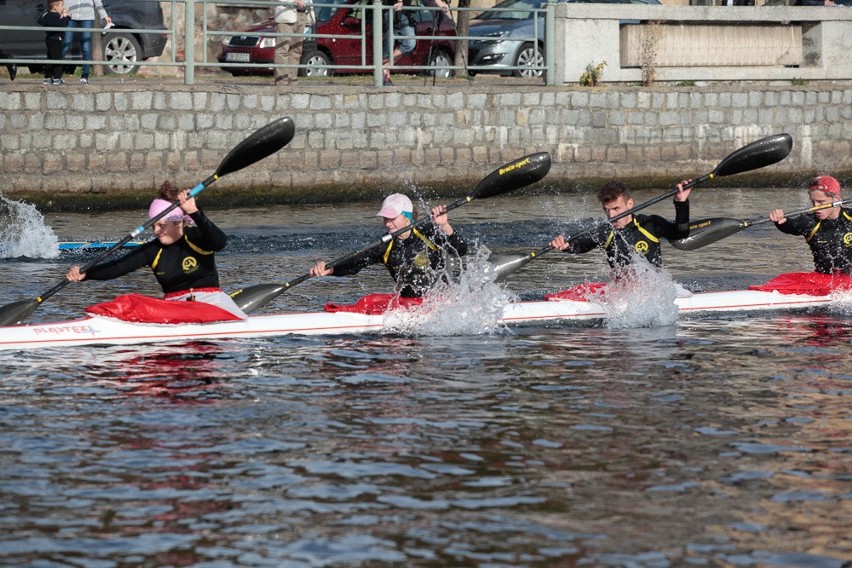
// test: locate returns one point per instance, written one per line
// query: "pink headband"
(160, 205)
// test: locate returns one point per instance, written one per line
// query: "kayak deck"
(96, 330)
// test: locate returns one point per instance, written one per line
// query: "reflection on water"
(717, 441)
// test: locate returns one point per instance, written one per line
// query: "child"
(56, 17)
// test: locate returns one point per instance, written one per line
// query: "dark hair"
(168, 191)
(613, 189)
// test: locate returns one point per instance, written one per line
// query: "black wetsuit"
(186, 264)
(416, 263)
(641, 236)
(830, 239)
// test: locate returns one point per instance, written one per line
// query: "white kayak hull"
(97, 330)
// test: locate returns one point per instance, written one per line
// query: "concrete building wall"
(355, 140)
(746, 43)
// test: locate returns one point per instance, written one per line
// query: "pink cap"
(160, 205)
(826, 184)
(395, 205)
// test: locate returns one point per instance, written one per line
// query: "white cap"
(394, 205)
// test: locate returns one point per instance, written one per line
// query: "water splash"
(469, 303)
(641, 296)
(841, 302)
(23, 232)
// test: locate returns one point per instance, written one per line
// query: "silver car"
(513, 37)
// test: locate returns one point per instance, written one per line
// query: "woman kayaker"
(415, 258)
(828, 232)
(181, 255)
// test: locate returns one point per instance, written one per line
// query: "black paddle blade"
(259, 145)
(512, 176)
(16, 312)
(255, 297)
(764, 152)
(707, 231)
(505, 264)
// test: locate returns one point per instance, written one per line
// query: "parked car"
(507, 37)
(252, 47)
(122, 46)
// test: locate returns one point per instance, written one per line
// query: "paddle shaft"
(707, 231)
(760, 220)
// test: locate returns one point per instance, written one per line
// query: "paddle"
(259, 145)
(504, 179)
(758, 154)
(707, 231)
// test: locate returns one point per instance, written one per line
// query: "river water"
(709, 441)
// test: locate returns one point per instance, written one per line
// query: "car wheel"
(123, 53)
(529, 57)
(317, 64)
(441, 61)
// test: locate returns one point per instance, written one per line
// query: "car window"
(358, 8)
(323, 13)
(423, 15)
(520, 10)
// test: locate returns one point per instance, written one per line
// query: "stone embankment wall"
(78, 145)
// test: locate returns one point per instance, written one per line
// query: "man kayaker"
(828, 232)
(181, 255)
(415, 258)
(630, 235)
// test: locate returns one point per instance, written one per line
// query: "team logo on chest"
(642, 247)
(189, 264)
(847, 240)
(421, 261)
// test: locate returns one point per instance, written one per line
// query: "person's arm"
(677, 230)
(134, 260)
(585, 242)
(800, 225)
(99, 7)
(444, 229)
(458, 243)
(206, 234)
(444, 6)
(353, 266)
(681, 203)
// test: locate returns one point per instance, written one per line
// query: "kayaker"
(631, 235)
(181, 255)
(415, 259)
(828, 231)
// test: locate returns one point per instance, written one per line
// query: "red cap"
(826, 184)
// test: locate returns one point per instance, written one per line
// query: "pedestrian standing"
(83, 17)
(55, 17)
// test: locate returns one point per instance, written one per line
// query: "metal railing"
(183, 56)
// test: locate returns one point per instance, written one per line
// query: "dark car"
(252, 47)
(508, 36)
(122, 46)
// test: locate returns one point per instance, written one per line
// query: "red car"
(252, 47)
